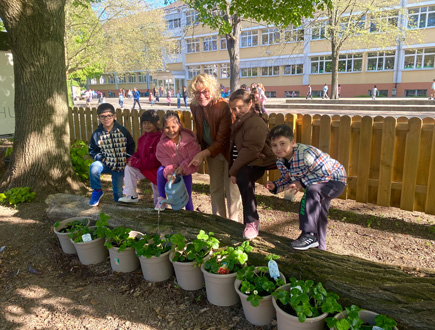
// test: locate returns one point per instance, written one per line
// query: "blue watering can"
(176, 193)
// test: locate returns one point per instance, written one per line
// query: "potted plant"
(220, 272)
(89, 241)
(188, 257)
(355, 318)
(254, 285)
(62, 230)
(153, 252)
(120, 242)
(303, 305)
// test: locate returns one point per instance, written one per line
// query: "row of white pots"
(222, 289)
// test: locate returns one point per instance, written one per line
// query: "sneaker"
(159, 205)
(95, 198)
(128, 199)
(251, 230)
(304, 242)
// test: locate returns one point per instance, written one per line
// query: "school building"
(288, 60)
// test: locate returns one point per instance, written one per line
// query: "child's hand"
(295, 186)
(179, 170)
(234, 180)
(270, 185)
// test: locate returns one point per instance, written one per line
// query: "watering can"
(176, 193)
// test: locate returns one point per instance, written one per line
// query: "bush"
(81, 160)
(17, 195)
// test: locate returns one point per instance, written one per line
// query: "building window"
(102, 80)
(415, 92)
(93, 81)
(209, 44)
(211, 69)
(111, 78)
(132, 78)
(321, 64)
(223, 43)
(419, 58)
(319, 30)
(291, 94)
(142, 78)
(225, 71)
(193, 71)
(177, 47)
(380, 61)
(270, 94)
(191, 17)
(192, 45)
(249, 39)
(270, 71)
(385, 19)
(173, 24)
(248, 72)
(350, 63)
(121, 79)
(270, 36)
(293, 34)
(420, 18)
(293, 69)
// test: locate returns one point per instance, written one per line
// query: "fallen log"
(407, 295)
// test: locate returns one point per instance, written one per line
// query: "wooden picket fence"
(389, 161)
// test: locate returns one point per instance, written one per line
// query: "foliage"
(352, 321)
(307, 299)
(119, 237)
(257, 283)
(17, 195)
(9, 151)
(195, 250)
(71, 226)
(80, 159)
(152, 245)
(229, 259)
(98, 232)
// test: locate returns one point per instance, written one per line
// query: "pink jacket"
(171, 158)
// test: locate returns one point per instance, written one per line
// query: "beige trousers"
(221, 187)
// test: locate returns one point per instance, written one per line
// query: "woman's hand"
(234, 180)
(270, 185)
(199, 158)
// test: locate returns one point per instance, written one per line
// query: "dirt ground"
(41, 288)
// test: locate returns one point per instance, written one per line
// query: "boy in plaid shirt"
(307, 167)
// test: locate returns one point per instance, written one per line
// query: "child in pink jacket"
(143, 164)
(175, 151)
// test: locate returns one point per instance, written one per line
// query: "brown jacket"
(249, 135)
(218, 116)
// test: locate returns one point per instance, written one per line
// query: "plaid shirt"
(308, 165)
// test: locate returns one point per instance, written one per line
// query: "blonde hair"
(260, 85)
(205, 81)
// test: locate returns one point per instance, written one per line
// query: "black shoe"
(305, 242)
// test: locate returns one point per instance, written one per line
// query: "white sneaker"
(159, 205)
(128, 199)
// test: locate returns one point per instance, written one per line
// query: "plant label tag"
(273, 269)
(377, 328)
(86, 237)
(117, 261)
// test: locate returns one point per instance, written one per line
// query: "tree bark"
(406, 295)
(41, 158)
(233, 48)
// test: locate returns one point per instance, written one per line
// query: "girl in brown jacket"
(251, 155)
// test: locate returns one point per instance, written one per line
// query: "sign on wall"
(7, 94)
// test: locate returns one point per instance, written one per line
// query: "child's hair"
(246, 97)
(260, 85)
(151, 116)
(244, 86)
(105, 107)
(281, 130)
(171, 115)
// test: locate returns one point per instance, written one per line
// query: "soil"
(42, 288)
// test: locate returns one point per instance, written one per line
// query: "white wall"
(7, 93)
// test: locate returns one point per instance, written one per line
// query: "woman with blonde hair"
(213, 127)
(263, 97)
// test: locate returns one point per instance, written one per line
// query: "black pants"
(314, 208)
(134, 104)
(246, 182)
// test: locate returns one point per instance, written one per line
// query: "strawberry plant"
(195, 250)
(80, 159)
(228, 260)
(152, 245)
(17, 195)
(98, 232)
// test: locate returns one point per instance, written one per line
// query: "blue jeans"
(96, 169)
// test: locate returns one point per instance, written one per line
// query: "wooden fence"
(389, 161)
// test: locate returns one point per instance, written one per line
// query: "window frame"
(293, 68)
(193, 70)
(291, 31)
(385, 56)
(424, 53)
(209, 44)
(272, 71)
(225, 66)
(249, 70)
(429, 11)
(251, 38)
(273, 36)
(193, 43)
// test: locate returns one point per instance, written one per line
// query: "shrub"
(81, 160)
(17, 195)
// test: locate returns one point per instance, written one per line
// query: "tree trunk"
(335, 56)
(40, 159)
(233, 48)
(406, 295)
